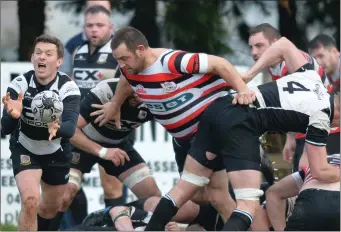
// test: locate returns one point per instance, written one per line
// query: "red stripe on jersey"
(332, 131)
(284, 70)
(188, 118)
(165, 96)
(171, 62)
(154, 78)
(190, 65)
(274, 78)
(299, 136)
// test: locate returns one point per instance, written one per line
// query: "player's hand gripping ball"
(46, 106)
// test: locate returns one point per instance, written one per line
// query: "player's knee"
(69, 194)
(248, 199)
(137, 177)
(30, 204)
(75, 180)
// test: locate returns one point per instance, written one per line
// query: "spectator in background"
(323, 48)
(74, 42)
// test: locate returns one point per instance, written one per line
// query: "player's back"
(293, 102)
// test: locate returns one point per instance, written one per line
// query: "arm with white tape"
(82, 142)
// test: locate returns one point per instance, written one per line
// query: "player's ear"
(111, 27)
(140, 49)
(59, 62)
(32, 57)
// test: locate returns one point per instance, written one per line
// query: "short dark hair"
(130, 36)
(268, 30)
(95, 9)
(52, 40)
(321, 40)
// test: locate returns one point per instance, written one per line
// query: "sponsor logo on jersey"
(79, 57)
(172, 104)
(140, 89)
(25, 160)
(169, 86)
(102, 58)
(75, 158)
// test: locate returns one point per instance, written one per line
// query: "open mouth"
(41, 66)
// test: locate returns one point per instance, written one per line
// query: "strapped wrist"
(102, 152)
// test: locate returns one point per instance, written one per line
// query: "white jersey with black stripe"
(33, 134)
(298, 102)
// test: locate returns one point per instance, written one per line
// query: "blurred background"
(216, 27)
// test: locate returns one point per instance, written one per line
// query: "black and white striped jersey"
(33, 134)
(131, 116)
(88, 70)
(298, 102)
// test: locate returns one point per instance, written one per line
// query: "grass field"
(8, 228)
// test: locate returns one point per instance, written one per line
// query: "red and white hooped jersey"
(175, 90)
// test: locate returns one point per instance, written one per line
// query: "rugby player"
(177, 87)
(318, 203)
(108, 146)
(40, 152)
(93, 63)
(227, 133)
(261, 37)
(323, 48)
(77, 40)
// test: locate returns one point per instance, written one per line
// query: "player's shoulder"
(105, 89)
(66, 85)
(106, 48)
(74, 42)
(21, 82)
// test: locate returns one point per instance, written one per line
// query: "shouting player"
(38, 162)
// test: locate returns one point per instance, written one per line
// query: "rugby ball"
(46, 106)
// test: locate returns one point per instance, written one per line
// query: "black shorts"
(316, 209)
(228, 131)
(84, 161)
(181, 148)
(55, 166)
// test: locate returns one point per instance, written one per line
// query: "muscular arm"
(227, 71)
(281, 50)
(81, 141)
(276, 197)
(123, 90)
(319, 167)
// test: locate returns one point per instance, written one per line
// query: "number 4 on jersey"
(294, 86)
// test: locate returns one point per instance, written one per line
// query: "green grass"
(6, 227)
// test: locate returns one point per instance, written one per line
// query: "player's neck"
(46, 80)
(152, 54)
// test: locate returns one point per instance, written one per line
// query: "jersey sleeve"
(181, 62)
(318, 128)
(86, 109)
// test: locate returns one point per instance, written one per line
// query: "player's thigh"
(109, 183)
(27, 172)
(181, 148)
